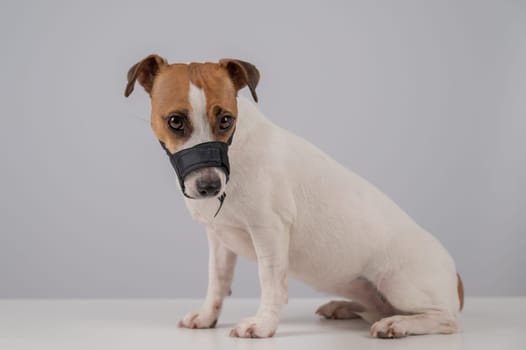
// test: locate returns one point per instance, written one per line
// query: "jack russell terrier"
(270, 196)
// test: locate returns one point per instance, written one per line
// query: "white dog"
(295, 211)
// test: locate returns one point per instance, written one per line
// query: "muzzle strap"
(213, 154)
(204, 155)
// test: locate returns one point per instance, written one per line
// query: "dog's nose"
(208, 186)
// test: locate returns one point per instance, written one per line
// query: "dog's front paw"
(255, 327)
(198, 319)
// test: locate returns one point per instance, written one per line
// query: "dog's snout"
(208, 186)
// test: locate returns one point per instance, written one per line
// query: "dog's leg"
(430, 322)
(425, 305)
(340, 310)
(272, 247)
(221, 265)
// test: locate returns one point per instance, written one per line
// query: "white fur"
(201, 128)
(296, 211)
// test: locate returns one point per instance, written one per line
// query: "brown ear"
(144, 72)
(242, 74)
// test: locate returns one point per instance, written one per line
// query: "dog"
(278, 200)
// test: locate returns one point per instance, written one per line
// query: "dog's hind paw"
(340, 310)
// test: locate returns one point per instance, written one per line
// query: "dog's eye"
(176, 123)
(226, 122)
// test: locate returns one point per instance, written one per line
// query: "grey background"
(425, 99)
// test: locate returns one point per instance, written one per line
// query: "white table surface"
(98, 324)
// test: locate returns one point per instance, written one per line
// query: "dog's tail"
(460, 290)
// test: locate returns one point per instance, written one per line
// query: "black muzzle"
(213, 154)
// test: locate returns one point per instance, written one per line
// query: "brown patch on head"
(242, 74)
(220, 94)
(170, 96)
(144, 71)
(169, 85)
(460, 291)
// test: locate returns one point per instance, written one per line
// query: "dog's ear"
(242, 74)
(144, 71)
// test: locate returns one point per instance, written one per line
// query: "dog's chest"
(236, 239)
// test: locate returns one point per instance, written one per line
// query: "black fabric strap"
(203, 155)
